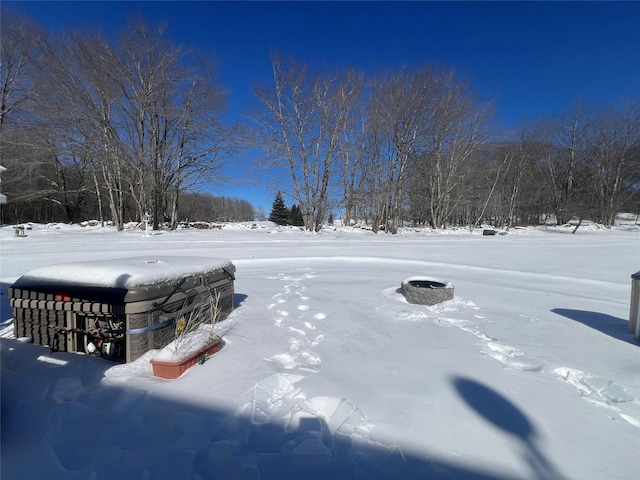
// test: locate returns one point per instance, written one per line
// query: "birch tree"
(352, 152)
(454, 135)
(299, 129)
(437, 126)
(401, 109)
(520, 156)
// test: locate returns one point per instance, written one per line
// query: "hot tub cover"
(123, 273)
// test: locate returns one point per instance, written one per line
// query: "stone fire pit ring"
(426, 290)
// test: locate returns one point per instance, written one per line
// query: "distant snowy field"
(327, 372)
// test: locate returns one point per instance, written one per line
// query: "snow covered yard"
(328, 372)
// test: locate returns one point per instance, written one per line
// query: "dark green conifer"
(296, 216)
(279, 212)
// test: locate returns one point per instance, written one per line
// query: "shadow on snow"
(56, 409)
(615, 327)
(6, 314)
(238, 299)
(504, 415)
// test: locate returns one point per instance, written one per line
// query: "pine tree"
(296, 216)
(279, 212)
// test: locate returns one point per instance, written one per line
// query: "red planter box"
(171, 370)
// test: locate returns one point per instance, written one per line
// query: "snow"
(327, 372)
(129, 272)
(185, 346)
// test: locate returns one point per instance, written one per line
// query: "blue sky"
(532, 59)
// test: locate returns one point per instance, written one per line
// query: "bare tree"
(21, 152)
(149, 72)
(83, 102)
(20, 44)
(570, 144)
(403, 110)
(451, 132)
(352, 153)
(375, 173)
(410, 147)
(199, 143)
(171, 113)
(299, 130)
(615, 161)
(520, 156)
(147, 112)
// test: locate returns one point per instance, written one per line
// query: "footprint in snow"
(596, 388)
(303, 308)
(302, 333)
(477, 331)
(512, 357)
(319, 316)
(272, 398)
(410, 316)
(464, 325)
(311, 359)
(340, 415)
(599, 391)
(284, 360)
(294, 345)
(505, 350)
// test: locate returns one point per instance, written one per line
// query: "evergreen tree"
(296, 218)
(279, 212)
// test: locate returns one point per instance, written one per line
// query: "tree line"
(110, 128)
(113, 129)
(209, 208)
(415, 145)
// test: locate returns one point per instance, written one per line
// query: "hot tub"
(118, 309)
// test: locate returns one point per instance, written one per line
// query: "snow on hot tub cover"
(129, 272)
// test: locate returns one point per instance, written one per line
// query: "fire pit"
(426, 291)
